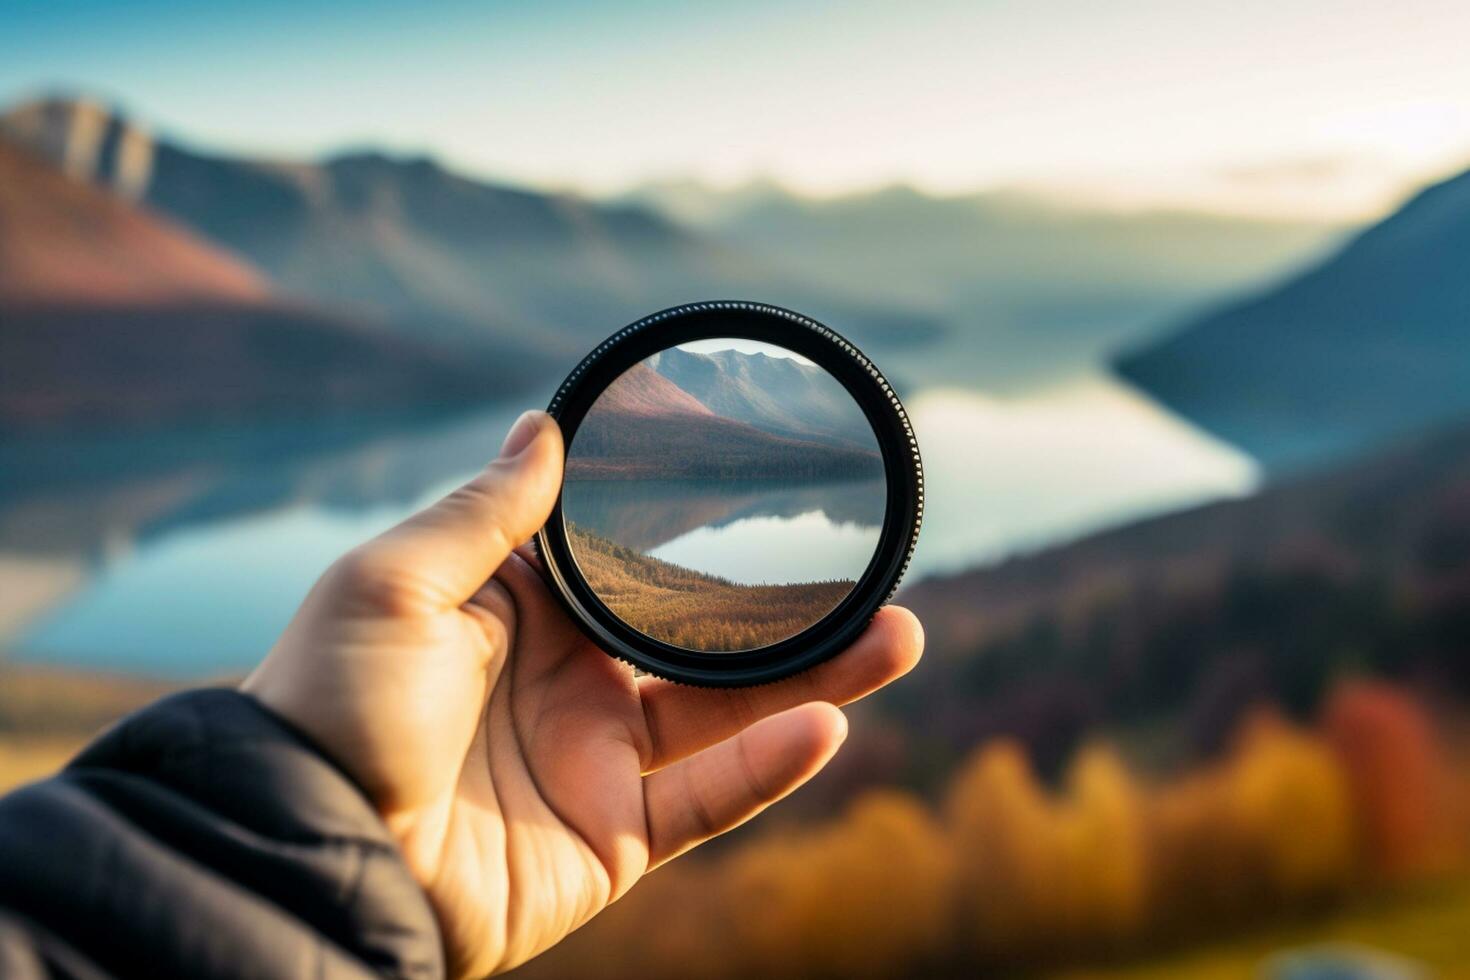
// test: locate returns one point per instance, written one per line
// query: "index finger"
(683, 720)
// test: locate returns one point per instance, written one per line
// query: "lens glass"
(723, 495)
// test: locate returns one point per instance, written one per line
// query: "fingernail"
(521, 434)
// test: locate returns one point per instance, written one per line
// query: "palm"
(528, 778)
(547, 822)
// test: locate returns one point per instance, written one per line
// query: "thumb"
(455, 545)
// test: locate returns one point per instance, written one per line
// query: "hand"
(530, 779)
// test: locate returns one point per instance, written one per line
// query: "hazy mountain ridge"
(62, 242)
(527, 274)
(113, 319)
(928, 244)
(778, 394)
(1027, 286)
(1368, 345)
(645, 426)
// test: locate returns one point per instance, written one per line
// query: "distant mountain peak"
(373, 158)
(779, 395)
(1366, 346)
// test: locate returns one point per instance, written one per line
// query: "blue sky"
(1286, 106)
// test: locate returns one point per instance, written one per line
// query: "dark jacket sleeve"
(203, 837)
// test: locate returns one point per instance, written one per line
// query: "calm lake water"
(185, 556)
(750, 532)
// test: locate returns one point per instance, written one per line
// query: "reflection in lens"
(723, 495)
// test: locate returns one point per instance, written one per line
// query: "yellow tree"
(1290, 798)
(1105, 874)
(1008, 851)
(865, 896)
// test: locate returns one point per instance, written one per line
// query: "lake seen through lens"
(748, 531)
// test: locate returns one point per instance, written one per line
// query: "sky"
(1290, 107)
(743, 345)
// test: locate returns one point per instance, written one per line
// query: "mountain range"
(645, 426)
(1372, 343)
(516, 273)
(112, 318)
(304, 286)
(1028, 286)
(778, 394)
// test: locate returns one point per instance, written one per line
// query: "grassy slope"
(697, 611)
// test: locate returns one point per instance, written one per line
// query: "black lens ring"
(903, 472)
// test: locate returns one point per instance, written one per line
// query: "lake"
(185, 555)
(750, 532)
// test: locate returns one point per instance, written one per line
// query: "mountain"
(778, 394)
(63, 242)
(534, 276)
(906, 242)
(644, 426)
(1027, 287)
(111, 318)
(1371, 343)
(640, 392)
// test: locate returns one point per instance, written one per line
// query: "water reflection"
(751, 532)
(187, 555)
(809, 547)
(734, 569)
(645, 514)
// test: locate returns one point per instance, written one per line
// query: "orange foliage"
(1035, 871)
(1001, 824)
(1106, 871)
(1196, 856)
(1398, 782)
(1013, 874)
(1290, 798)
(865, 896)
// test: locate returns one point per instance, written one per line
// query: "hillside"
(646, 427)
(1366, 346)
(1191, 618)
(62, 242)
(693, 610)
(777, 394)
(642, 392)
(113, 319)
(469, 262)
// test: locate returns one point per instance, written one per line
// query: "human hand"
(529, 778)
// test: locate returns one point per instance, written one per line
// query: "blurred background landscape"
(1178, 297)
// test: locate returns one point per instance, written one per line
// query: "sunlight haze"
(1313, 109)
